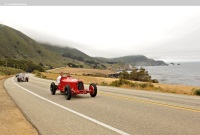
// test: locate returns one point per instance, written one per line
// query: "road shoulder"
(12, 121)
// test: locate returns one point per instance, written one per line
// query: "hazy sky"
(161, 32)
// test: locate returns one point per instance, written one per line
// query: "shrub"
(143, 85)
(104, 84)
(9, 71)
(137, 75)
(37, 73)
(146, 85)
(98, 75)
(120, 82)
(124, 81)
(115, 83)
(134, 85)
(154, 81)
(25, 65)
(197, 92)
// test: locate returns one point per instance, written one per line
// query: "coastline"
(187, 73)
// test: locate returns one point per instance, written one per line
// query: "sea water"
(187, 73)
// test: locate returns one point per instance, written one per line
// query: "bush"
(143, 85)
(197, 92)
(115, 83)
(146, 85)
(38, 74)
(121, 82)
(9, 71)
(137, 75)
(104, 84)
(134, 85)
(25, 65)
(98, 75)
(154, 81)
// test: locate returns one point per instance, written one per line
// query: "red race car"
(70, 86)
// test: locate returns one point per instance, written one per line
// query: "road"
(112, 111)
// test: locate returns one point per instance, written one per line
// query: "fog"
(162, 33)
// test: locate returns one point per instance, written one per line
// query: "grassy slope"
(138, 60)
(135, 60)
(75, 53)
(9, 71)
(15, 44)
(68, 50)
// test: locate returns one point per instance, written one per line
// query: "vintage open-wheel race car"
(70, 86)
(22, 77)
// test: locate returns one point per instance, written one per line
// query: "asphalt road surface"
(112, 111)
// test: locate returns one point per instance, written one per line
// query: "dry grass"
(85, 79)
(80, 71)
(178, 89)
(4, 77)
(1, 77)
(77, 73)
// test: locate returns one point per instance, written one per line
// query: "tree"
(124, 75)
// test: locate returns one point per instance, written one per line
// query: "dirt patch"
(12, 121)
(1, 77)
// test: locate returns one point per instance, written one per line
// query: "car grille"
(80, 86)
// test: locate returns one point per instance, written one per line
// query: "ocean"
(187, 73)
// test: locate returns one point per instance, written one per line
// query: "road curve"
(112, 111)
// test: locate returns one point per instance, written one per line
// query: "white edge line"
(77, 113)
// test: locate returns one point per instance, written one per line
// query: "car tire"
(68, 92)
(26, 79)
(53, 88)
(93, 90)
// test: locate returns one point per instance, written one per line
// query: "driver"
(68, 74)
(59, 77)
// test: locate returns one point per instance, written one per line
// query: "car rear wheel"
(68, 92)
(53, 88)
(93, 90)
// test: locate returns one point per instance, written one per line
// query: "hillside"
(15, 44)
(134, 60)
(68, 52)
(72, 53)
(138, 60)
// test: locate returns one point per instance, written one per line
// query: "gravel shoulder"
(12, 121)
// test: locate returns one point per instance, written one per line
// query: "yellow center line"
(151, 102)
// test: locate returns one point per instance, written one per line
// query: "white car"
(22, 77)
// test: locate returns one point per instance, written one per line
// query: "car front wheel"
(53, 88)
(93, 90)
(68, 92)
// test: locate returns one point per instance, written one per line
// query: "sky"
(168, 33)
